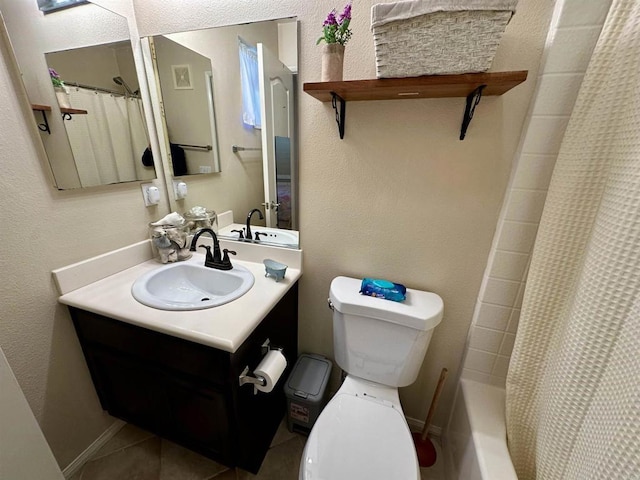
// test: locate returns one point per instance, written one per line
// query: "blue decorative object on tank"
(383, 289)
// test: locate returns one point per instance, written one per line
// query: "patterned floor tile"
(179, 463)
(137, 462)
(127, 436)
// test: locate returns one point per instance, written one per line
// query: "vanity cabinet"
(187, 392)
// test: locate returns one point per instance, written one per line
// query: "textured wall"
(24, 453)
(400, 197)
(44, 229)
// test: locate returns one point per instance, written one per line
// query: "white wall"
(24, 453)
(570, 42)
(96, 66)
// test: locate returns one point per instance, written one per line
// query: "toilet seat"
(358, 437)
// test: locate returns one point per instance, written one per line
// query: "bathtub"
(475, 441)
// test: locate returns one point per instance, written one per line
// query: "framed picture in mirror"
(181, 77)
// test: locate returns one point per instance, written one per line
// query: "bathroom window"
(250, 84)
(48, 6)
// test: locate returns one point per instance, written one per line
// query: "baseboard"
(99, 442)
(416, 425)
(449, 466)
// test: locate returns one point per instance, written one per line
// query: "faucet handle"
(209, 257)
(226, 262)
(256, 235)
(241, 232)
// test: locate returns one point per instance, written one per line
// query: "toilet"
(380, 344)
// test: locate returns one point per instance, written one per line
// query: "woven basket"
(439, 43)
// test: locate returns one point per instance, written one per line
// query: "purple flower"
(336, 30)
(53, 73)
(331, 19)
(346, 14)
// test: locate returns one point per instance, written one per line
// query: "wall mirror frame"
(257, 162)
(100, 136)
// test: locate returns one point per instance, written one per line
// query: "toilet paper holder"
(247, 376)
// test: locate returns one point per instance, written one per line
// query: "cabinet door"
(181, 410)
(130, 390)
(200, 418)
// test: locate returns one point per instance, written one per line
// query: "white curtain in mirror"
(107, 142)
(249, 78)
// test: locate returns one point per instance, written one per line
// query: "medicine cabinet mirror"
(93, 127)
(245, 110)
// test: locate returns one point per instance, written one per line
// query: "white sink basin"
(189, 286)
(278, 237)
(274, 236)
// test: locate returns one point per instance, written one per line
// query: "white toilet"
(362, 433)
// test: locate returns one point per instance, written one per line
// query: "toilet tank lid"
(421, 310)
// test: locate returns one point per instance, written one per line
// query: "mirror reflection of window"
(250, 84)
(48, 6)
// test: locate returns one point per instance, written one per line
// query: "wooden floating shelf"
(47, 108)
(431, 86)
(470, 85)
(66, 114)
(73, 111)
(40, 108)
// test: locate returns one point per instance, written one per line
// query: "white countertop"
(225, 327)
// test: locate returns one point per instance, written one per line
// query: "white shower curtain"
(107, 142)
(573, 387)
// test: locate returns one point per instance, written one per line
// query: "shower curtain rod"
(100, 89)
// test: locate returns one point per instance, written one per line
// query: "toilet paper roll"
(270, 368)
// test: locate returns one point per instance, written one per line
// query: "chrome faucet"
(247, 234)
(215, 260)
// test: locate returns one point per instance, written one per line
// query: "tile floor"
(133, 454)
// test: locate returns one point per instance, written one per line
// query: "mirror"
(187, 95)
(93, 128)
(253, 70)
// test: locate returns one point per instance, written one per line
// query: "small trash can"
(306, 392)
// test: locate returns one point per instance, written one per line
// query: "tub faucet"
(247, 234)
(215, 259)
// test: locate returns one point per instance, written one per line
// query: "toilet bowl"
(362, 433)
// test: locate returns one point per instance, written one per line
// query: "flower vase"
(63, 97)
(332, 61)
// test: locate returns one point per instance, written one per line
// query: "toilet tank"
(381, 340)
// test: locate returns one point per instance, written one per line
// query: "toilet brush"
(424, 446)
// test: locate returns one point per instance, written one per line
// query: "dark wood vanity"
(187, 392)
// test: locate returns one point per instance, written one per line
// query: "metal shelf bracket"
(473, 99)
(45, 125)
(340, 115)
